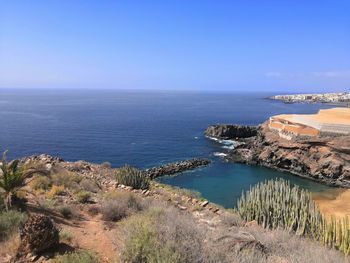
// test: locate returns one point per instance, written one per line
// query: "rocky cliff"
(228, 131)
(323, 159)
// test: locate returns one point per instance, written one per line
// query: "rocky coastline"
(176, 167)
(322, 159)
(228, 131)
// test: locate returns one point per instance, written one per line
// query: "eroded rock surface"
(177, 167)
(38, 234)
(324, 159)
(228, 131)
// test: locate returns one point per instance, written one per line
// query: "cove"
(222, 182)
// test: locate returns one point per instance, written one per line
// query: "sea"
(144, 129)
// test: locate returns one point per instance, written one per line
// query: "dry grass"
(82, 196)
(56, 190)
(69, 180)
(89, 185)
(162, 235)
(118, 205)
(9, 247)
(40, 183)
(10, 222)
(295, 249)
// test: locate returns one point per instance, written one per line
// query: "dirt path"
(90, 233)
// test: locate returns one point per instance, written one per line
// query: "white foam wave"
(229, 147)
(227, 144)
(220, 154)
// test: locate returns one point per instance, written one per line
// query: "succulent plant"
(133, 177)
(278, 204)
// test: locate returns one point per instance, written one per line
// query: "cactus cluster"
(133, 177)
(278, 204)
(336, 234)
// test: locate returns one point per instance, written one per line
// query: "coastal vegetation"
(277, 204)
(101, 214)
(132, 177)
(13, 179)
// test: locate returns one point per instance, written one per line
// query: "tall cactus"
(278, 204)
(133, 177)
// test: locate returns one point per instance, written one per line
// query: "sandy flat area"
(330, 116)
(335, 202)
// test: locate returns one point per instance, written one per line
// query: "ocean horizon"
(144, 129)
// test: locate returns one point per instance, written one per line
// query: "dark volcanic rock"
(38, 234)
(227, 131)
(323, 159)
(177, 167)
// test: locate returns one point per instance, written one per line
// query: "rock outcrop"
(227, 131)
(323, 159)
(38, 234)
(177, 167)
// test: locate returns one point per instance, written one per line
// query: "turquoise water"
(143, 129)
(223, 182)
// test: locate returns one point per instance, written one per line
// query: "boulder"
(38, 234)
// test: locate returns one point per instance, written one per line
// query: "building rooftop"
(330, 121)
(330, 116)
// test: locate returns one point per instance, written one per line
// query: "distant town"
(338, 98)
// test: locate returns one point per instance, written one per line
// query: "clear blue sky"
(292, 46)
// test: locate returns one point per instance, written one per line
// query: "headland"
(316, 147)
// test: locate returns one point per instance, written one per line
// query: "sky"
(237, 45)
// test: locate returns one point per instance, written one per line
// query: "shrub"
(133, 177)
(55, 190)
(40, 183)
(65, 211)
(48, 204)
(231, 219)
(2, 205)
(83, 196)
(89, 185)
(12, 178)
(65, 236)
(119, 205)
(66, 178)
(162, 235)
(9, 222)
(76, 257)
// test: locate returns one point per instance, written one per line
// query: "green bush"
(69, 180)
(89, 185)
(13, 178)
(76, 257)
(65, 236)
(162, 235)
(40, 183)
(10, 222)
(117, 205)
(65, 211)
(133, 177)
(83, 196)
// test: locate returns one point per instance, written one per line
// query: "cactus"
(133, 177)
(278, 204)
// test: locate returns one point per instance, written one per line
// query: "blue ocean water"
(141, 128)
